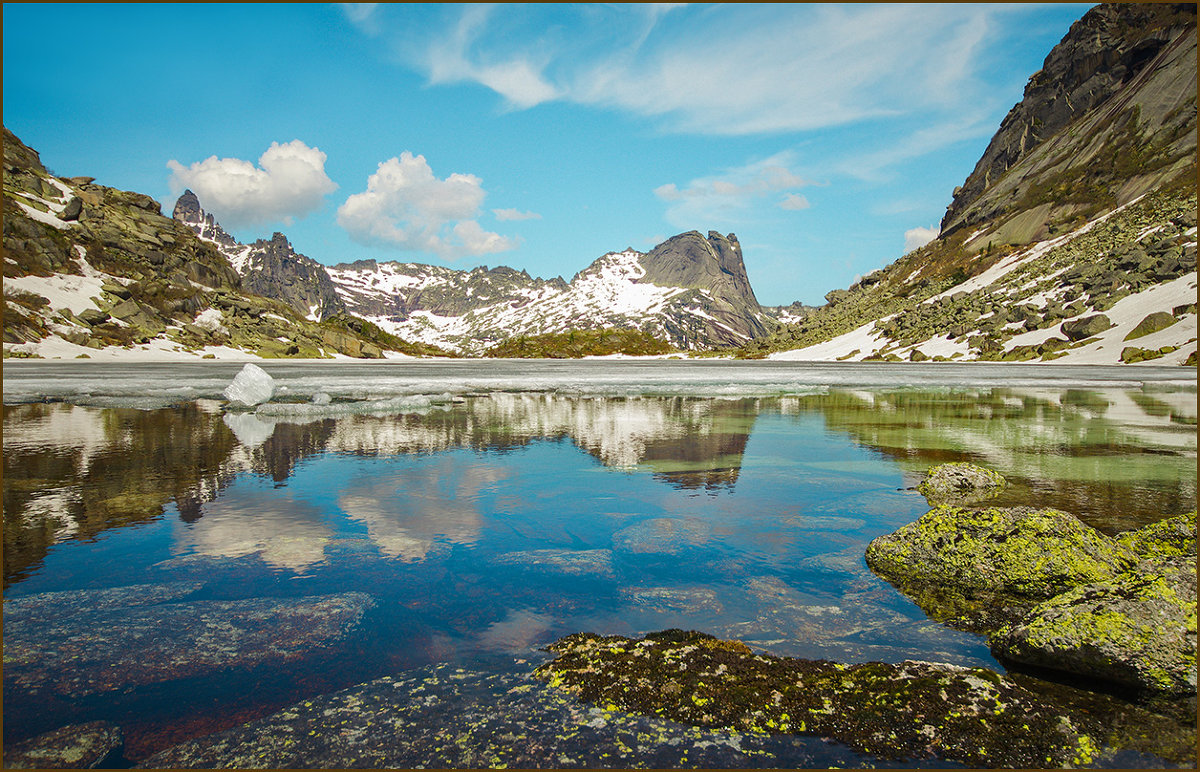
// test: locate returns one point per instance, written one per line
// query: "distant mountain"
(94, 271)
(268, 267)
(1073, 239)
(691, 291)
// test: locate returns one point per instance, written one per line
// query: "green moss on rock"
(909, 711)
(1137, 630)
(1021, 551)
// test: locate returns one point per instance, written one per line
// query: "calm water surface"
(471, 513)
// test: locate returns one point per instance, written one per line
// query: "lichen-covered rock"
(1170, 538)
(960, 482)
(911, 710)
(1021, 551)
(93, 745)
(1137, 630)
(1159, 320)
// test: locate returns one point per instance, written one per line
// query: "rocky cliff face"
(1111, 114)
(268, 267)
(91, 271)
(1074, 238)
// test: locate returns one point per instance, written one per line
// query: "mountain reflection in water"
(295, 555)
(1117, 458)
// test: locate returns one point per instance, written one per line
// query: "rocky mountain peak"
(189, 212)
(713, 264)
(1118, 56)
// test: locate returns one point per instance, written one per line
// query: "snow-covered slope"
(469, 311)
(1119, 289)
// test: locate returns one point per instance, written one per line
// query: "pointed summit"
(189, 212)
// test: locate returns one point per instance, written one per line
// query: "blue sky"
(827, 137)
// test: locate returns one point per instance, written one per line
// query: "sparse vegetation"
(580, 343)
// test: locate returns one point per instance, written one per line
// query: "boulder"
(92, 316)
(1173, 537)
(1159, 320)
(907, 711)
(72, 210)
(960, 482)
(1079, 329)
(93, 745)
(1136, 630)
(974, 568)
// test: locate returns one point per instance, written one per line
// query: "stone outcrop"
(910, 711)
(92, 745)
(1137, 630)
(1123, 67)
(960, 483)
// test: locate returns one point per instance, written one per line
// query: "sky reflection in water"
(490, 525)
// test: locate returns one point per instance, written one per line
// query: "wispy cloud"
(289, 181)
(405, 206)
(726, 198)
(513, 215)
(772, 68)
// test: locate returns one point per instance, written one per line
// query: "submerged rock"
(74, 645)
(963, 566)
(910, 711)
(94, 745)
(662, 535)
(1137, 630)
(446, 717)
(960, 482)
(251, 386)
(561, 561)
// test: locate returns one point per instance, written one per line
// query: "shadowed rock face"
(713, 265)
(1119, 57)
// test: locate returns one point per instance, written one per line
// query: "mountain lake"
(180, 567)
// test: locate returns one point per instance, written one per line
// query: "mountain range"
(1073, 239)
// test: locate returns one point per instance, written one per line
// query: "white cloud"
(771, 68)
(794, 203)
(512, 215)
(728, 197)
(406, 207)
(915, 238)
(289, 181)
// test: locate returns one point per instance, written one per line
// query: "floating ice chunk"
(248, 428)
(251, 387)
(321, 398)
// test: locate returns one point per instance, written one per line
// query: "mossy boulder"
(909, 711)
(1137, 630)
(1170, 538)
(1159, 320)
(979, 568)
(960, 482)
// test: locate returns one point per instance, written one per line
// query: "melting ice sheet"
(149, 386)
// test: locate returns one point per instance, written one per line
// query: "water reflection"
(1115, 457)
